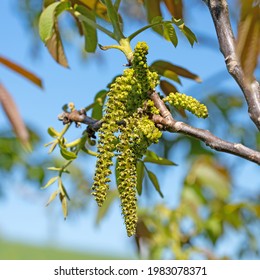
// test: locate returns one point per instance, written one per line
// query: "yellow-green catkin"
(127, 130)
(181, 100)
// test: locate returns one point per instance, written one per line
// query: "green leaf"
(185, 30)
(152, 157)
(50, 182)
(156, 19)
(89, 31)
(154, 181)
(48, 18)
(68, 154)
(62, 188)
(49, 32)
(154, 13)
(64, 205)
(189, 35)
(140, 176)
(99, 102)
(52, 197)
(89, 152)
(170, 33)
(164, 68)
(53, 133)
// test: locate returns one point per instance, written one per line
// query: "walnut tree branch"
(251, 90)
(166, 120)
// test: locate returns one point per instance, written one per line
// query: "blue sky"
(22, 214)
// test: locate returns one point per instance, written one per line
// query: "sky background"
(23, 215)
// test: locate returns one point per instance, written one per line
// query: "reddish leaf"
(165, 68)
(14, 117)
(175, 8)
(21, 71)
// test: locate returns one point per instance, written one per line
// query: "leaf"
(248, 41)
(48, 17)
(68, 155)
(49, 32)
(175, 8)
(169, 33)
(55, 48)
(167, 87)
(14, 117)
(153, 10)
(21, 71)
(154, 181)
(152, 157)
(89, 152)
(102, 211)
(99, 8)
(170, 71)
(89, 31)
(53, 133)
(208, 174)
(140, 176)
(64, 205)
(99, 102)
(62, 188)
(52, 197)
(50, 182)
(185, 30)
(163, 68)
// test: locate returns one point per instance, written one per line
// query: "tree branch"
(251, 90)
(169, 123)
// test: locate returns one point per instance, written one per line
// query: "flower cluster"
(126, 130)
(183, 101)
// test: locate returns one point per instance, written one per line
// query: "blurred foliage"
(207, 210)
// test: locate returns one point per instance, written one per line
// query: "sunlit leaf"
(64, 205)
(164, 68)
(49, 32)
(53, 133)
(50, 182)
(169, 33)
(68, 155)
(140, 176)
(154, 181)
(52, 197)
(185, 30)
(21, 71)
(98, 7)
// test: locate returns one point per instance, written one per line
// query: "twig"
(79, 117)
(169, 123)
(251, 90)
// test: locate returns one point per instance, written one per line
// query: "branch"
(167, 121)
(251, 90)
(80, 117)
